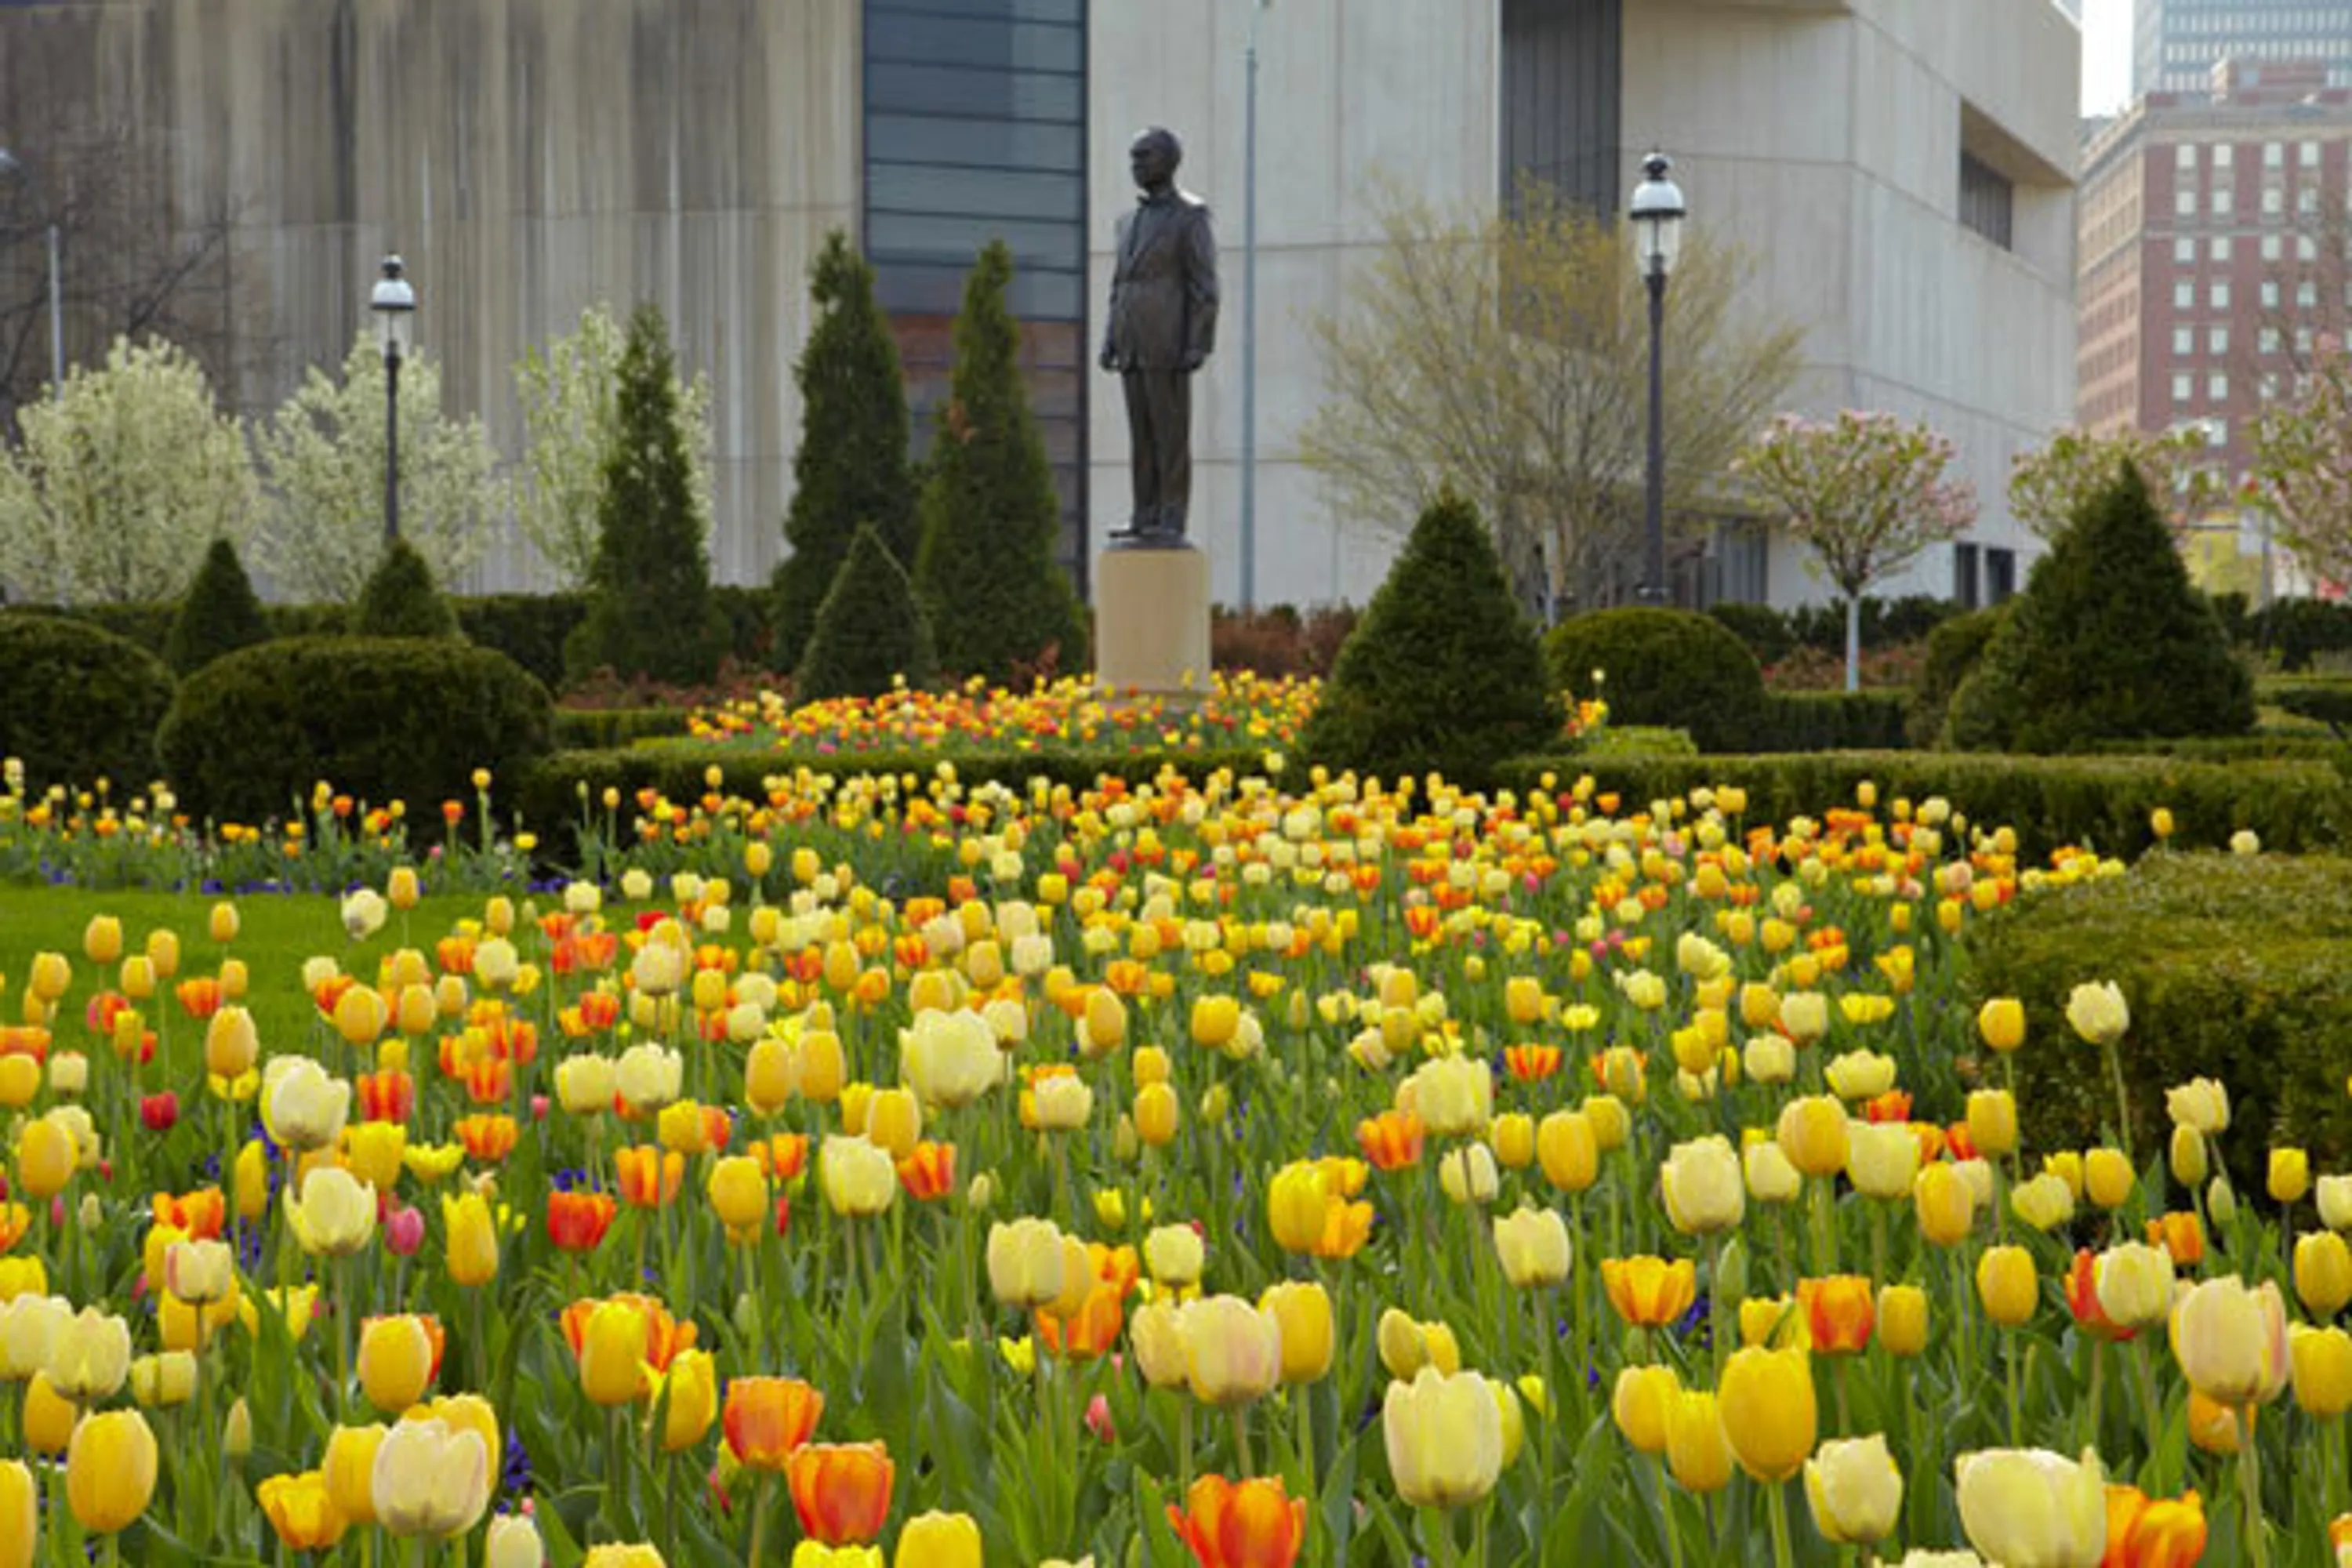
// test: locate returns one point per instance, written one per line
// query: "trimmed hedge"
(1834, 721)
(2325, 702)
(596, 728)
(78, 703)
(1662, 666)
(2102, 801)
(1953, 650)
(2236, 967)
(528, 629)
(384, 720)
(2304, 748)
(219, 615)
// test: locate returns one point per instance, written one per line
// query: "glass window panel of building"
(975, 131)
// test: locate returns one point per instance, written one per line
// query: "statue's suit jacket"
(1163, 287)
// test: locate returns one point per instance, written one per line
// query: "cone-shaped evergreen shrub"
(650, 610)
(985, 572)
(869, 631)
(1442, 671)
(852, 467)
(2108, 642)
(401, 600)
(221, 612)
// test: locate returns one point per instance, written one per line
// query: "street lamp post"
(1249, 320)
(10, 164)
(1657, 238)
(394, 304)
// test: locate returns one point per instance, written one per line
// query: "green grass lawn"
(277, 932)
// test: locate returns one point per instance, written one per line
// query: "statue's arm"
(1199, 289)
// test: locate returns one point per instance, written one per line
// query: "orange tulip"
(929, 1170)
(767, 1419)
(650, 1177)
(665, 1335)
(782, 1155)
(2181, 1234)
(1391, 1140)
(388, 1096)
(1649, 1292)
(2083, 1301)
(1839, 1313)
(1252, 1524)
(199, 1213)
(576, 1222)
(1090, 1332)
(841, 1490)
(488, 1137)
(1531, 1064)
(2159, 1532)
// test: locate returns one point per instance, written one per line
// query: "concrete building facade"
(2176, 44)
(1901, 174)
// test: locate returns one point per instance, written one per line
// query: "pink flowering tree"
(2303, 467)
(1865, 493)
(2050, 485)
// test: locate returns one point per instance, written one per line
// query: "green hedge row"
(2237, 968)
(2324, 750)
(2327, 701)
(528, 629)
(2103, 802)
(600, 729)
(1834, 721)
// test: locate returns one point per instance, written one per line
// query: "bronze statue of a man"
(1163, 324)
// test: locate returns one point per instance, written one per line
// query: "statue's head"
(1153, 157)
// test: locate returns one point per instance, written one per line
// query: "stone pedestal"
(1151, 619)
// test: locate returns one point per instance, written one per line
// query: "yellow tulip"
(101, 939)
(1696, 1449)
(2008, 1285)
(1813, 1134)
(49, 1417)
(395, 1362)
(1903, 1320)
(348, 1465)
(1702, 1186)
(1174, 1255)
(336, 1216)
(1642, 1402)
(1444, 1439)
(1993, 1122)
(1882, 1159)
(473, 1239)
(2230, 1342)
(45, 1156)
(2132, 1282)
(2289, 1175)
(513, 1542)
(1302, 1310)
(163, 1380)
(2323, 1272)
(2321, 1360)
(1566, 1149)
(20, 1515)
(2028, 1506)
(611, 1349)
(691, 1388)
(858, 1176)
(430, 1480)
(90, 1356)
(1233, 1350)
(1295, 1201)
(1532, 1245)
(2001, 1024)
(1024, 1263)
(2097, 1012)
(2107, 1177)
(1768, 1411)
(939, 1541)
(110, 1471)
(1855, 1490)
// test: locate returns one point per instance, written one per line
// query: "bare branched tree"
(139, 261)
(1508, 357)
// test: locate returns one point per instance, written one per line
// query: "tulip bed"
(1234, 1174)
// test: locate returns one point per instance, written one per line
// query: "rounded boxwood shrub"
(381, 719)
(1443, 672)
(1667, 668)
(78, 703)
(220, 614)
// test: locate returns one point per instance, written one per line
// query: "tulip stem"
(1241, 1440)
(2122, 1105)
(2249, 1489)
(759, 1519)
(1437, 1531)
(1775, 1503)
(1184, 1442)
(2009, 1375)
(1667, 1513)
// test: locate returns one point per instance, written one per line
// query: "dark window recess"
(1965, 587)
(975, 132)
(1988, 200)
(2000, 575)
(1562, 71)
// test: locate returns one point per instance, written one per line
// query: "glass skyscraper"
(2176, 44)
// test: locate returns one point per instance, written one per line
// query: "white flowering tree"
(2050, 485)
(2303, 467)
(571, 414)
(1865, 493)
(124, 480)
(321, 457)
